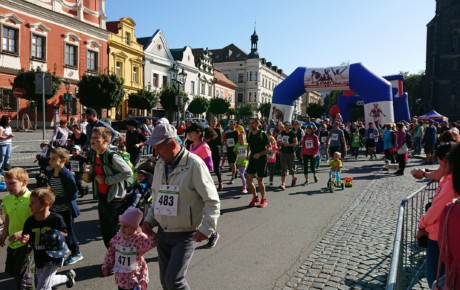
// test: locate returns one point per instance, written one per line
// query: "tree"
(315, 110)
(245, 110)
(101, 91)
(264, 109)
(218, 106)
(168, 101)
(331, 99)
(26, 80)
(143, 100)
(198, 105)
(413, 85)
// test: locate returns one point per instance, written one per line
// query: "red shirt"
(102, 188)
(180, 129)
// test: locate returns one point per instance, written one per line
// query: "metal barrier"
(23, 153)
(408, 259)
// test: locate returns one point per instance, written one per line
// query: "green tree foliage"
(264, 109)
(168, 99)
(245, 110)
(218, 106)
(198, 105)
(331, 99)
(26, 80)
(315, 110)
(231, 112)
(413, 85)
(144, 100)
(101, 91)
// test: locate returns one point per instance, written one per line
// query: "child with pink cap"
(125, 254)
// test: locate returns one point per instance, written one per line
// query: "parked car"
(121, 125)
(200, 121)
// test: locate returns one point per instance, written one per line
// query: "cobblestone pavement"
(356, 252)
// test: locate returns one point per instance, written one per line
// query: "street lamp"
(67, 97)
(179, 80)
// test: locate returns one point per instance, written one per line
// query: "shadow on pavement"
(87, 231)
(233, 209)
(6, 282)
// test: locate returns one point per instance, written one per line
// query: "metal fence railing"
(408, 259)
(23, 153)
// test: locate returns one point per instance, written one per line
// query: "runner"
(230, 139)
(287, 156)
(259, 148)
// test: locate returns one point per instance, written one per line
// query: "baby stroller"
(43, 159)
(140, 193)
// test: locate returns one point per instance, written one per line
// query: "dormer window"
(128, 38)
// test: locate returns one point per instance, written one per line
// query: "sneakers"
(70, 278)
(271, 183)
(254, 201)
(305, 183)
(315, 178)
(294, 181)
(263, 203)
(244, 190)
(231, 181)
(212, 241)
(73, 259)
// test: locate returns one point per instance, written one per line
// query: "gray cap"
(287, 123)
(161, 133)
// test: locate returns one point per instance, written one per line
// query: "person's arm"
(109, 259)
(5, 233)
(4, 137)
(69, 184)
(315, 145)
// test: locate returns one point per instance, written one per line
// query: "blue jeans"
(417, 145)
(175, 251)
(432, 256)
(5, 152)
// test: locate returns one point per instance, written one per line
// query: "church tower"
(254, 39)
(442, 82)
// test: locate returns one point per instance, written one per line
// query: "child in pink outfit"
(125, 254)
(271, 159)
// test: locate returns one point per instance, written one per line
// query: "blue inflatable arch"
(375, 91)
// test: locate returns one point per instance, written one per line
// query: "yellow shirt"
(17, 209)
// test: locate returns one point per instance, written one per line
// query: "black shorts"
(334, 149)
(370, 143)
(231, 156)
(257, 166)
(428, 148)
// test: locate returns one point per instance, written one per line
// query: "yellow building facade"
(126, 59)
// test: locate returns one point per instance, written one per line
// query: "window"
(165, 82)
(192, 86)
(38, 47)
(255, 97)
(217, 94)
(255, 76)
(135, 74)
(250, 96)
(7, 101)
(73, 106)
(155, 80)
(119, 69)
(128, 38)
(10, 40)
(203, 89)
(71, 55)
(209, 90)
(230, 98)
(240, 97)
(240, 77)
(250, 76)
(91, 60)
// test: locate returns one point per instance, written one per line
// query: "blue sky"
(387, 36)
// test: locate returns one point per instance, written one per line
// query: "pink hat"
(132, 216)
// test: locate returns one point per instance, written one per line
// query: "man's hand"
(198, 237)
(147, 229)
(25, 239)
(256, 156)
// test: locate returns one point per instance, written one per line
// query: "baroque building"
(255, 77)
(66, 38)
(126, 60)
(442, 81)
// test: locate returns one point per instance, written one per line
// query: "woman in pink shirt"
(429, 223)
(199, 146)
(310, 148)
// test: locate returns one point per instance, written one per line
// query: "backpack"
(108, 157)
(409, 139)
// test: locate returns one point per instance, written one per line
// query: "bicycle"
(334, 181)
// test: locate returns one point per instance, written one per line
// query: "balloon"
(334, 110)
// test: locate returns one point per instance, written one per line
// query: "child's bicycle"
(334, 181)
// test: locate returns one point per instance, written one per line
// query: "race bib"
(333, 173)
(279, 138)
(224, 149)
(356, 139)
(125, 259)
(74, 166)
(335, 137)
(271, 155)
(231, 142)
(323, 139)
(167, 200)
(285, 139)
(371, 135)
(309, 144)
(242, 152)
(376, 139)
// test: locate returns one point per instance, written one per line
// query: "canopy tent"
(433, 115)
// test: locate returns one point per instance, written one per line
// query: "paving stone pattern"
(356, 252)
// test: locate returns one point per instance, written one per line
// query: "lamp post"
(67, 98)
(179, 80)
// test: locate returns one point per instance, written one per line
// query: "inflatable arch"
(375, 91)
(347, 100)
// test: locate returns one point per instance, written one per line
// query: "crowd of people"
(186, 206)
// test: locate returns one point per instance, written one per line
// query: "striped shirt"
(56, 185)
